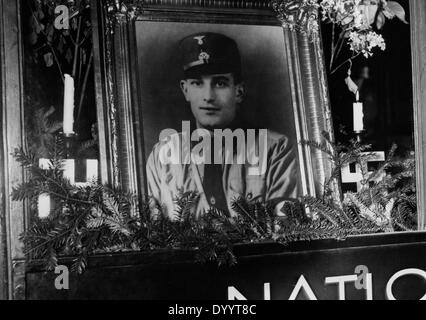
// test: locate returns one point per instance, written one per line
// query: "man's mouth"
(210, 109)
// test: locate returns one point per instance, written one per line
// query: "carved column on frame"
(301, 18)
(114, 93)
(106, 111)
(124, 17)
(121, 15)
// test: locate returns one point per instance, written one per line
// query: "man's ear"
(184, 88)
(239, 92)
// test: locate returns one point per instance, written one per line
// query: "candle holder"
(358, 135)
(69, 143)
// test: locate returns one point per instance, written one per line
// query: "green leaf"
(380, 21)
(398, 10)
(352, 86)
(370, 11)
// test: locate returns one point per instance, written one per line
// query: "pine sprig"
(387, 191)
(98, 218)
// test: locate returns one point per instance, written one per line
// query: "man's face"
(213, 98)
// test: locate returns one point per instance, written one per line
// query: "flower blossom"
(365, 42)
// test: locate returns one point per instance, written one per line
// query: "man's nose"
(208, 94)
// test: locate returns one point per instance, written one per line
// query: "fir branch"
(318, 206)
(237, 206)
(98, 218)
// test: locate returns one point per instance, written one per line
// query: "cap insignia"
(204, 56)
(200, 39)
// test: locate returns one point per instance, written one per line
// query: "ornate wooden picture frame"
(118, 82)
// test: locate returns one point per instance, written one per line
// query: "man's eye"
(221, 84)
(196, 83)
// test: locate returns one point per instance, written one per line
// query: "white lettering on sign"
(341, 280)
(267, 291)
(302, 284)
(418, 272)
(234, 294)
(369, 286)
(361, 280)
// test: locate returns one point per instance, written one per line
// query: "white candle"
(358, 117)
(68, 105)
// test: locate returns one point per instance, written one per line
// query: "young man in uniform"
(213, 87)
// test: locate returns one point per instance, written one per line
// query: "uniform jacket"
(278, 181)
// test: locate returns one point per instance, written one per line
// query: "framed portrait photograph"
(204, 90)
(242, 84)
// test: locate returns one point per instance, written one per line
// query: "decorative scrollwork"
(298, 15)
(120, 11)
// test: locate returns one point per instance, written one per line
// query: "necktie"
(213, 187)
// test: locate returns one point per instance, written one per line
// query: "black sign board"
(369, 267)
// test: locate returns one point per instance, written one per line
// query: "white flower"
(365, 42)
(359, 19)
(360, 13)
